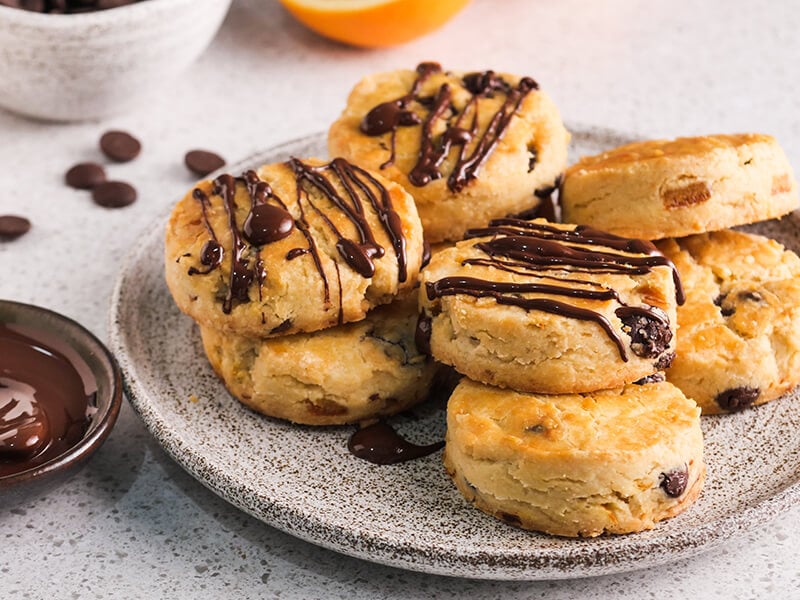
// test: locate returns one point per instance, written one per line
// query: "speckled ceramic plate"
(303, 480)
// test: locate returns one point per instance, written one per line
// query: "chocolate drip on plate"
(382, 445)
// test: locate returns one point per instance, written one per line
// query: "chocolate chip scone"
(343, 374)
(467, 146)
(291, 247)
(673, 188)
(540, 307)
(739, 336)
(614, 461)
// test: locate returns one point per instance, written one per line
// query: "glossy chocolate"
(346, 189)
(532, 248)
(460, 131)
(46, 397)
(381, 444)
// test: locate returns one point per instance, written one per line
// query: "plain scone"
(343, 374)
(739, 330)
(615, 461)
(672, 188)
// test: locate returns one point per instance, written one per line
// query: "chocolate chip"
(203, 162)
(85, 176)
(664, 361)
(114, 194)
(737, 399)
(675, 481)
(654, 378)
(422, 335)
(285, 325)
(120, 146)
(649, 331)
(12, 226)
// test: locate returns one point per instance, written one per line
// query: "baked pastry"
(661, 189)
(467, 146)
(739, 337)
(614, 461)
(343, 374)
(291, 247)
(542, 307)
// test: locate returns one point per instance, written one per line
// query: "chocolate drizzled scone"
(540, 307)
(739, 339)
(291, 247)
(340, 375)
(613, 461)
(467, 146)
(660, 189)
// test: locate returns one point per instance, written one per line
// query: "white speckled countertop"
(132, 523)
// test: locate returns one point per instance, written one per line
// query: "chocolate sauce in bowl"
(46, 398)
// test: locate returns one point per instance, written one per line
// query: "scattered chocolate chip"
(120, 146)
(737, 399)
(203, 162)
(12, 226)
(650, 334)
(538, 428)
(674, 482)
(114, 194)
(85, 176)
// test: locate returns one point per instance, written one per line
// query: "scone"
(468, 146)
(661, 189)
(614, 461)
(739, 330)
(291, 247)
(343, 374)
(540, 307)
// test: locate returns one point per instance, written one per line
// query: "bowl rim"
(109, 16)
(104, 421)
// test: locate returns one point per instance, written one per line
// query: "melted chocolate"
(269, 221)
(382, 445)
(528, 248)
(473, 149)
(44, 403)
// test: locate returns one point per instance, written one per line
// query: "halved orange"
(373, 23)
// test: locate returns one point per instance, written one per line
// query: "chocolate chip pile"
(65, 7)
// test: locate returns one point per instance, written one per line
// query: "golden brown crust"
(739, 331)
(505, 181)
(341, 375)
(672, 188)
(575, 465)
(308, 283)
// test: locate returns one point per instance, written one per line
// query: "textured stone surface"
(133, 523)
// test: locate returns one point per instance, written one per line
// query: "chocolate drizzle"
(269, 220)
(473, 148)
(534, 248)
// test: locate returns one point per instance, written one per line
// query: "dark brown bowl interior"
(103, 367)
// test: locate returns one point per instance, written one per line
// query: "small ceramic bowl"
(96, 64)
(98, 368)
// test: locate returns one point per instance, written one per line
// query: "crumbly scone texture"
(490, 340)
(739, 330)
(343, 374)
(673, 188)
(615, 461)
(530, 156)
(302, 282)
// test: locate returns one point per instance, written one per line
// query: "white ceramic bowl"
(92, 65)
